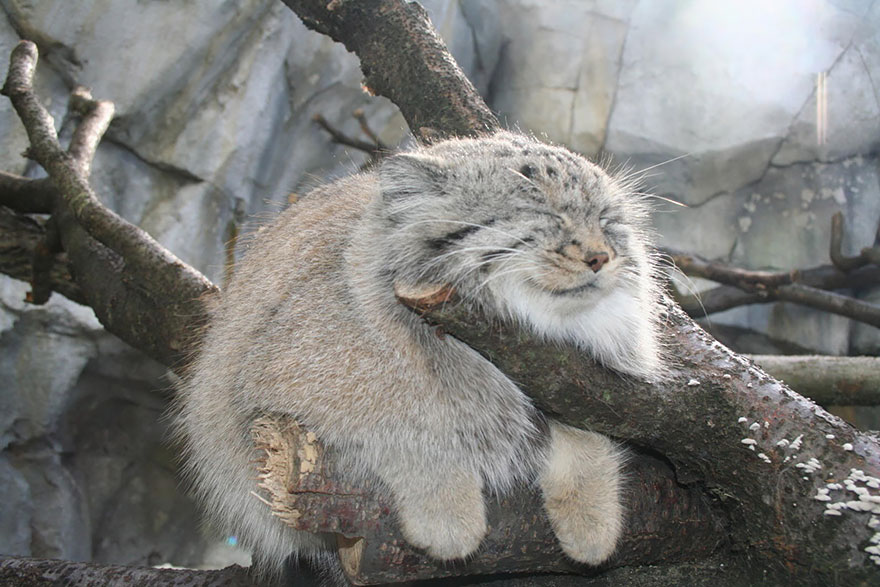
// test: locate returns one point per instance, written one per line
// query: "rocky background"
(214, 128)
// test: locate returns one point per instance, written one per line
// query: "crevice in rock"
(870, 77)
(616, 88)
(61, 57)
(180, 173)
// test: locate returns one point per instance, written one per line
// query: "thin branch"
(842, 381)
(831, 302)
(96, 117)
(745, 279)
(826, 277)
(20, 236)
(69, 173)
(365, 128)
(804, 287)
(343, 139)
(32, 196)
(834, 250)
(139, 290)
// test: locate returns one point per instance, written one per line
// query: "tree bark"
(31, 572)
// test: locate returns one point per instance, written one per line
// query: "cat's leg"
(440, 507)
(581, 483)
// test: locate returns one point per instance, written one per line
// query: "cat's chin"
(611, 324)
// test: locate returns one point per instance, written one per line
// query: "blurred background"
(763, 118)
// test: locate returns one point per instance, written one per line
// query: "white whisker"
(507, 234)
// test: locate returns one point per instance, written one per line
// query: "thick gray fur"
(310, 326)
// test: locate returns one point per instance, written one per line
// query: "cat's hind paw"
(581, 487)
(449, 523)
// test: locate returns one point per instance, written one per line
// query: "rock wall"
(214, 127)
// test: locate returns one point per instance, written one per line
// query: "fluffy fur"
(310, 326)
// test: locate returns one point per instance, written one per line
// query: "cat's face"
(490, 216)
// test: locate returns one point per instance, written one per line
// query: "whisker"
(500, 274)
(509, 253)
(507, 234)
(664, 198)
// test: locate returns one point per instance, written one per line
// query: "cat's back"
(288, 292)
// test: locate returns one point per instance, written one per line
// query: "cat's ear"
(409, 174)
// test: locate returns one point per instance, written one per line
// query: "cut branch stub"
(305, 486)
(422, 298)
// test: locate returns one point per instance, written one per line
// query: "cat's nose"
(596, 260)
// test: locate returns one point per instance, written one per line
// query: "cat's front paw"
(581, 487)
(449, 523)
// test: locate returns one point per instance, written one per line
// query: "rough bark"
(30, 572)
(403, 59)
(714, 417)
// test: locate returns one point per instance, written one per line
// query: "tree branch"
(842, 381)
(305, 488)
(403, 59)
(32, 572)
(805, 287)
(139, 290)
(30, 196)
(20, 237)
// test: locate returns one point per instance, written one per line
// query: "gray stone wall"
(214, 127)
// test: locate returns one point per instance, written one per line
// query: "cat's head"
(528, 229)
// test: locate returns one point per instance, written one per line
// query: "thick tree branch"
(403, 59)
(304, 487)
(32, 572)
(713, 417)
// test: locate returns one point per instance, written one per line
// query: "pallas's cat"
(310, 326)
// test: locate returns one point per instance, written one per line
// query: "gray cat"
(310, 326)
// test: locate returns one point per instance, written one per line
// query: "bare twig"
(804, 287)
(837, 257)
(365, 128)
(341, 138)
(829, 301)
(745, 279)
(69, 173)
(826, 277)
